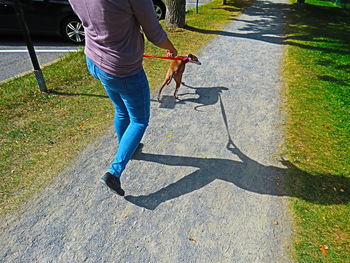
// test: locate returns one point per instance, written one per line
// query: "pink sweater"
(113, 40)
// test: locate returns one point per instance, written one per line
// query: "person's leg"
(121, 120)
(136, 97)
(121, 116)
(131, 98)
(112, 86)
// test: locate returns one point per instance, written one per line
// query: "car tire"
(72, 30)
(159, 8)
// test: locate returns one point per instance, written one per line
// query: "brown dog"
(176, 69)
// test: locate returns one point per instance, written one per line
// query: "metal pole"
(23, 24)
(197, 6)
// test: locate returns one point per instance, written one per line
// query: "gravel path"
(207, 186)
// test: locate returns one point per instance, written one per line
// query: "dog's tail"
(198, 106)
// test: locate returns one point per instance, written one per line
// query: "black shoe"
(113, 183)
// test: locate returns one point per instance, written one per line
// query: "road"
(14, 57)
(192, 3)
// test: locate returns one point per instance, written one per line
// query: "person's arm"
(145, 15)
(171, 50)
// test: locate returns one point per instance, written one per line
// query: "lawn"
(41, 133)
(317, 75)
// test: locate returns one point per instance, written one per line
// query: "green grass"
(41, 133)
(322, 3)
(317, 75)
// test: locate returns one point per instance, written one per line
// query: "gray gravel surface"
(207, 186)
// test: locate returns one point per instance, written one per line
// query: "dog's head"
(193, 59)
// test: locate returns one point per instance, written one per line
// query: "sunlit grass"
(317, 74)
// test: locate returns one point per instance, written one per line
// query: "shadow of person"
(246, 174)
(208, 170)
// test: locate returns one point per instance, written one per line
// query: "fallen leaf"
(169, 136)
(323, 249)
(191, 239)
(335, 189)
(275, 222)
(324, 218)
(280, 145)
(341, 190)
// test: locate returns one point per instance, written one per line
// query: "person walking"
(114, 47)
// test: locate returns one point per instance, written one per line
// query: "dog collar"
(185, 59)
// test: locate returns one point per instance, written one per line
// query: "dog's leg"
(169, 79)
(165, 82)
(176, 90)
(177, 79)
(180, 73)
(180, 77)
(160, 91)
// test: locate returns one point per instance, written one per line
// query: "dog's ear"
(190, 56)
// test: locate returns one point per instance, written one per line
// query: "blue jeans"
(131, 99)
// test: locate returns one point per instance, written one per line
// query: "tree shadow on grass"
(341, 82)
(246, 174)
(332, 66)
(345, 68)
(54, 92)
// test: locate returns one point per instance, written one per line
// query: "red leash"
(184, 58)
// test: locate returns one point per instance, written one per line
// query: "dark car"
(159, 8)
(51, 17)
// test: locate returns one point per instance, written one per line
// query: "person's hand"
(172, 52)
(169, 47)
